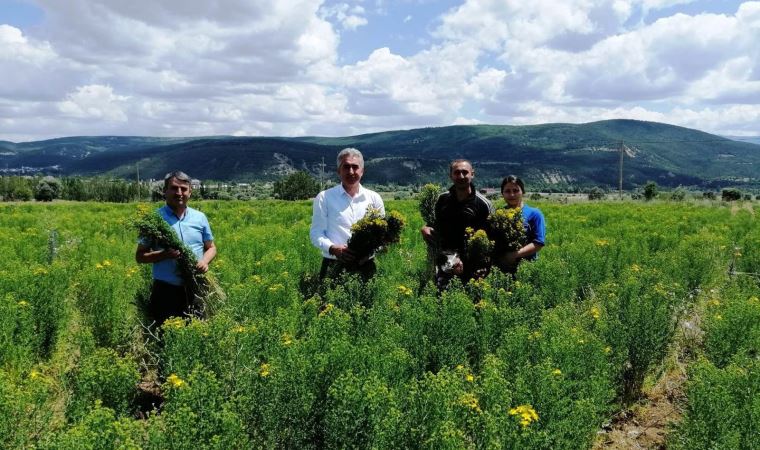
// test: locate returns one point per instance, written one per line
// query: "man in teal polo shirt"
(168, 295)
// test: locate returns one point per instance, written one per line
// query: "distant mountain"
(561, 155)
(750, 139)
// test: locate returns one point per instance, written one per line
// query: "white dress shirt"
(335, 211)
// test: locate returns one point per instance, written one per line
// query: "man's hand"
(202, 266)
(458, 268)
(428, 233)
(509, 259)
(342, 253)
(170, 253)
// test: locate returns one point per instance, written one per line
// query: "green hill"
(545, 155)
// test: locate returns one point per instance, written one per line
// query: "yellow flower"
(34, 375)
(175, 323)
(40, 271)
(470, 377)
(481, 304)
(328, 307)
(131, 271)
(608, 349)
(602, 242)
(526, 413)
(595, 313)
(265, 370)
(459, 367)
(175, 381)
(106, 263)
(23, 303)
(279, 257)
(556, 372)
(469, 400)
(98, 266)
(256, 279)
(635, 268)
(714, 302)
(239, 329)
(287, 339)
(403, 290)
(718, 317)
(275, 287)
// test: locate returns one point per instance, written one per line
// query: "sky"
(346, 67)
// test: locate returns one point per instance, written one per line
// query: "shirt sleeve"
(379, 205)
(539, 224)
(438, 213)
(206, 230)
(318, 231)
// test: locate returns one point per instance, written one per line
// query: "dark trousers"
(167, 300)
(332, 268)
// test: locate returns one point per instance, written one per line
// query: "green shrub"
(25, 408)
(105, 377)
(638, 321)
(731, 324)
(723, 407)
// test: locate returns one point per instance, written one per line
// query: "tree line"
(295, 186)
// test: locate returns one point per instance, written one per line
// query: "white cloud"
(349, 17)
(466, 121)
(95, 102)
(256, 67)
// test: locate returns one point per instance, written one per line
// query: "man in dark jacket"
(460, 208)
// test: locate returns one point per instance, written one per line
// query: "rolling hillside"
(548, 154)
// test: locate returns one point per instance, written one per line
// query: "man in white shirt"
(336, 209)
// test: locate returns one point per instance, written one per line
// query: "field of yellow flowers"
(542, 361)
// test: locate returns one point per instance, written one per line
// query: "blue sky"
(341, 67)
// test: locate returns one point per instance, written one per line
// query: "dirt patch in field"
(646, 424)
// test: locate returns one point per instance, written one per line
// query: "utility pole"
(620, 178)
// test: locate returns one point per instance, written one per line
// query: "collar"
(359, 192)
(473, 190)
(170, 211)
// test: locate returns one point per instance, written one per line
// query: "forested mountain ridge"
(545, 155)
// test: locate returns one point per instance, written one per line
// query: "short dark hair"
(513, 179)
(179, 175)
(459, 161)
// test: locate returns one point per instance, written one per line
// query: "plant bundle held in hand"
(204, 290)
(428, 197)
(373, 231)
(507, 229)
(479, 249)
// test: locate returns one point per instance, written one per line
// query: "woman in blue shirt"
(513, 189)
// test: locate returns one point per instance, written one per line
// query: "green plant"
(296, 186)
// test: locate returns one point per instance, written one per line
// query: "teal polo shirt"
(192, 229)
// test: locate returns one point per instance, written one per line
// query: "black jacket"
(453, 216)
